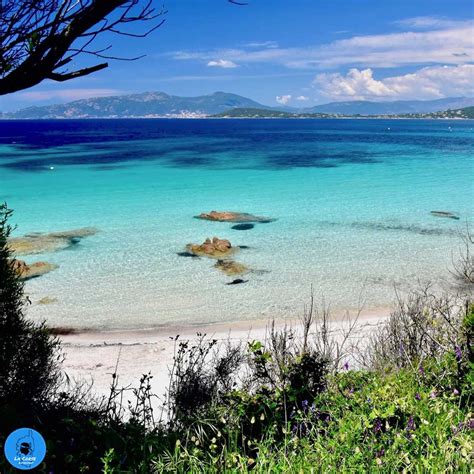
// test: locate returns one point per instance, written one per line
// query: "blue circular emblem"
(25, 449)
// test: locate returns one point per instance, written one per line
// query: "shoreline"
(93, 356)
(208, 328)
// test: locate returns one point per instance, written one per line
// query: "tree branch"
(62, 77)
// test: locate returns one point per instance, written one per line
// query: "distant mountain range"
(159, 104)
(147, 104)
(361, 107)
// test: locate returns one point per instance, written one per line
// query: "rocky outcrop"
(446, 214)
(231, 268)
(230, 216)
(40, 243)
(215, 248)
(27, 271)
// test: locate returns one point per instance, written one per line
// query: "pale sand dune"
(93, 355)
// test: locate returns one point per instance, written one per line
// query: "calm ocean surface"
(352, 199)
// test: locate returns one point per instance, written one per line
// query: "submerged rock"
(35, 243)
(47, 300)
(215, 248)
(446, 214)
(243, 226)
(187, 254)
(237, 281)
(230, 216)
(33, 270)
(231, 268)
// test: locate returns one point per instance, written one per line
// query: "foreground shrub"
(29, 358)
(422, 326)
(363, 422)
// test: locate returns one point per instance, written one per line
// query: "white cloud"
(283, 99)
(223, 63)
(262, 44)
(426, 83)
(68, 94)
(448, 45)
(426, 22)
(302, 98)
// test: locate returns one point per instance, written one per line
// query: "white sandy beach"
(93, 356)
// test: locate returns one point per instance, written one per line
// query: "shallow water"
(352, 199)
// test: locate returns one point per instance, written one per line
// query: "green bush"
(29, 358)
(363, 422)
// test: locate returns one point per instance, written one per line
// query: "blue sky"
(294, 52)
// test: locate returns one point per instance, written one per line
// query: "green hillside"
(249, 112)
(267, 113)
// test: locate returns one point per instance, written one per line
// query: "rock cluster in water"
(37, 242)
(222, 249)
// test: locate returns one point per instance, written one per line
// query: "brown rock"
(231, 268)
(39, 243)
(215, 248)
(230, 216)
(34, 270)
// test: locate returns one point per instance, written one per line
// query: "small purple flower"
(417, 396)
(377, 425)
(457, 429)
(351, 391)
(458, 352)
(410, 424)
(471, 424)
(304, 405)
(346, 365)
(421, 370)
(455, 392)
(433, 394)
(380, 453)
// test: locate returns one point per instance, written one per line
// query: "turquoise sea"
(351, 199)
